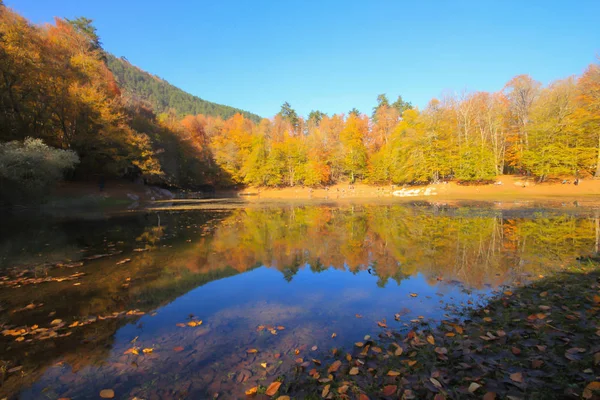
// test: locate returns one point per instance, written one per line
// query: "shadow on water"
(126, 282)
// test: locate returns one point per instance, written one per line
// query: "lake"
(169, 304)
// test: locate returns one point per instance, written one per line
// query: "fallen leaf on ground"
(516, 377)
(473, 387)
(389, 390)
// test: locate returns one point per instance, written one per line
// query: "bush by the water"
(28, 169)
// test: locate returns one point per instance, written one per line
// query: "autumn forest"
(57, 87)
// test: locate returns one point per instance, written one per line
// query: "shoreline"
(511, 188)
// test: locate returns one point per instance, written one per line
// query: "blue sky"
(334, 55)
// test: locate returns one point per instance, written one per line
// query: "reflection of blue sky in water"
(311, 307)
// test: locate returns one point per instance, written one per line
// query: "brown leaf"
(517, 377)
(393, 373)
(382, 323)
(251, 351)
(283, 398)
(273, 388)
(430, 340)
(489, 396)
(335, 366)
(178, 349)
(107, 393)
(363, 396)
(389, 390)
(516, 351)
(353, 371)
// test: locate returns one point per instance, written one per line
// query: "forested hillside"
(162, 96)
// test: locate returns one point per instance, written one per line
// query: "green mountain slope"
(161, 95)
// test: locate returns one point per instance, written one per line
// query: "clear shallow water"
(308, 269)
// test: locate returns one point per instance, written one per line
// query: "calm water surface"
(88, 294)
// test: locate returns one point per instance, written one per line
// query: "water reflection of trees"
(397, 241)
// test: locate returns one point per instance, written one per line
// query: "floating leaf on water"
(363, 396)
(430, 340)
(358, 316)
(148, 350)
(413, 295)
(194, 323)
(393, 373)
(107, 393)
(177, 349)
(335, 366)
(264, 365)
(126, 260)
(273, 388)
(353, 371)
(56, 322)
(343, 389)
(314, 348)
(180, 325)
(280, 328)
(590, 388)
(333, 335)
(325, 391)
(398, 351)
(132, 351)
(382, 323)
(489, 396)
(252, 391)
(283, 398)
(251, 351)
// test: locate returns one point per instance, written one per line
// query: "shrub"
(30, 168)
